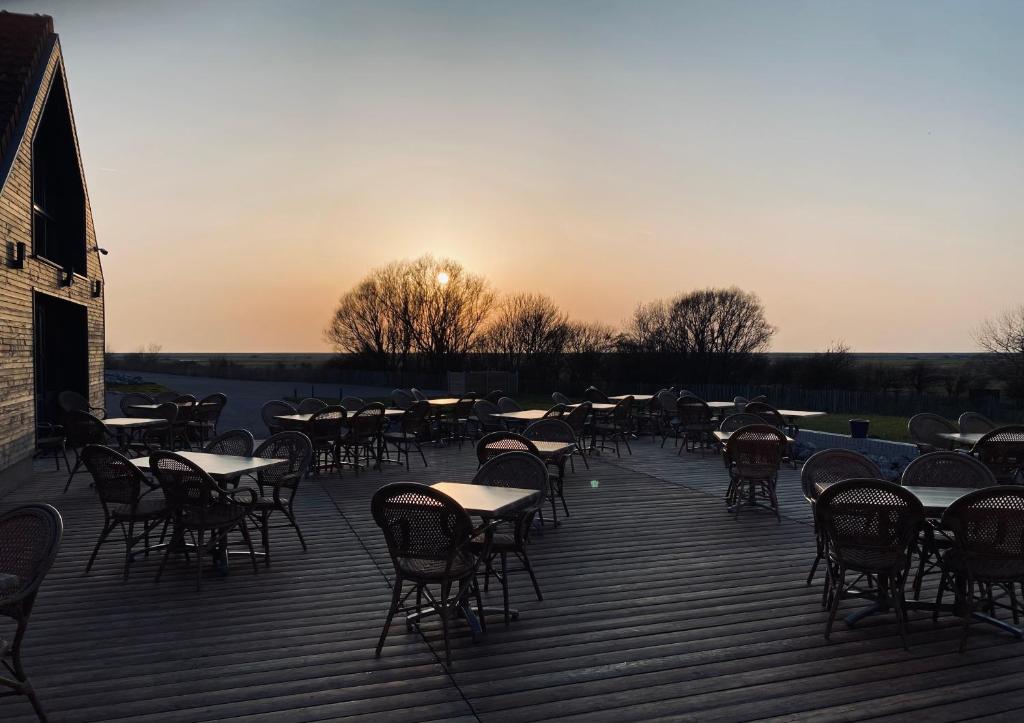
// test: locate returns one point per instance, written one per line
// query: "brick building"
(51, 283)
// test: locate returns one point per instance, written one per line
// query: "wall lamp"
(67, 276)
(97, 289)
(17, 255)
(100, 250)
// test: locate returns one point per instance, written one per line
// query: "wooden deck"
(657, 604)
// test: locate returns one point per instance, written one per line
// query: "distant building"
(51, 283)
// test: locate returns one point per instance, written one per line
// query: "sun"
(442, 277)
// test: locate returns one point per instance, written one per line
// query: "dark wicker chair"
(828, 467)
(694, 423)
(352, 404)
(50, 441)
(974, 423)
(276, 408)
(617, 427)
(454, 422)
(363, 436)
(738, 421)
(496, 443)
(187, 405)
(754, 454)
(206, 416)
(131, 399)
(82, 429)
(554, 430)
(988, 550)
(577, 418)
(556, 412)
(278, 484)
(484, 412)
(924, 430)
(417, 394)
(871, 527)
(237, 442)
(941, 469)
(197, 504)
(759, 399)
(494, 395)
(520, 470)
(508, 404)
(559, 398)
(128, 499)
(593, 394)
(75, 402)
(1002, 451)
(412, 428)
(766, 412)
(310, 405)
(29, 539)
(402, 399)
(429, 538)
(166, 436)
(326, 428)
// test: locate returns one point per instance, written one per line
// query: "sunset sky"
(858, 165)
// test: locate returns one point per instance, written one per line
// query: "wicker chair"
(577, 418)
(508, 404)
(554, 430)
(126, 496)
(311, 404)
(520, 470)
(196, 504)
(82, 429)
(411, 429)
(827, 467)
(559, 398)
(768, 413)
(484, 412)
(187, 405)
(695, 423)
(402, 399)
(131, 399)
(941, 469)
(363, 436)
(75, 402)
(737, 421)
(494, 395)
(924, 430)
(740, 403)
(988, 550)
(556, 412)
(496, 443)
(352, 404)
(31, 536)
(974, 423)
(593, 394)
(206, 417)
(754, 454)
(237, 442)
(325, 428)
(454, 422)
(759, 399)
(275, 408)
(429, 538)
(1002, 451)
(617, 428)
(871, 527)
(278, 484)
(417, 394)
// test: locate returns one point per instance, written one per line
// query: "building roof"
(23, 40)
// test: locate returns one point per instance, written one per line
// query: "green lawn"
(143, 388)
(891, 428)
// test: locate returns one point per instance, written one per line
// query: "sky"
(855, 164)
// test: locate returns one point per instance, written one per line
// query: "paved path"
(245, 397)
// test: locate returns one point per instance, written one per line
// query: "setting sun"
(442, 278)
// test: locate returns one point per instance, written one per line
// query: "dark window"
(58, 195)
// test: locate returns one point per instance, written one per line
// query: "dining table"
(962, 439)
(220, 466)
(521, 415)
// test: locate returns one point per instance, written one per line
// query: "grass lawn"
(891, 428)
(143, 388)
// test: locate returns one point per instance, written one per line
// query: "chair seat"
(217, 516)
(985, 569)
(871, 560)
(400, 437)
(503, 540)
(145, 509)
(431, 570)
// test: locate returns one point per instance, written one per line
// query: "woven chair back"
(131, 399)
(402, 398)
(519, 470)
(310, 405)
(1002, 451)
(186, 487)
(667, 401)
(116, 479)
(210, 407)
(835, 465)
(325, 425)
(420, 522)
(494, 395)
(352, 404)
(508, 404)
(497, 443)
(737, 421)
(692, 412)
(622, 414)
(556, 411)
(237, 442)
(756, 451)
(924, 430)
(418, 394)
(593, 394)
(275, 408)
(82, 428)
(974, 423)
(167, 411)
(947, 469)
(31, 536)
(577, 416)
(550, 429)
(463, 407)
(559, 398)
(485, 412)
(368, 422)
(297, 448)
(988, 527)
(72, 402)
(766, 412)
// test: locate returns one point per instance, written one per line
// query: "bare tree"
(647, 330)
(526, 329)
(1003, 338)
(921, 376)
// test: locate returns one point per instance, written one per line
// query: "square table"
(119, 423)
(636, 397)
(301, 419)
(792, 414)
(721, 405)
(219, 465)
(443, 402)
(522, 415)
(935, 500)
(487, 501)
(963, 439)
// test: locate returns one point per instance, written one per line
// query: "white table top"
(219, 465)
(799, 414)
(966, 438)
(443, 402)
(722, 405)
(935, 500)
(130, 422)
(485, 500)
(596, 406)
(551, 448)
(636, 397)
(527, 415)
(307, 417)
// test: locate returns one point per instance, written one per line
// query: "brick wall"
(17, 390)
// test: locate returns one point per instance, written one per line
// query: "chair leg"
(108, 527)
(74, 470)
(529, 569)
(176, 535)
(128, 541)
(291, 518)
(396, 596)
(968, 611)
(838, 583)
(442, 608)
(199, 559)
(265, 536)
(248, 541)
(504, 587)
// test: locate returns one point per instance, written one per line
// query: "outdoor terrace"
(657, 603)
